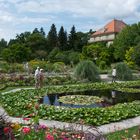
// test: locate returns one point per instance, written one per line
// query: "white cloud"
(30, 13)
(91, 8)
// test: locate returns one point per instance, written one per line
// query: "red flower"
(49, 137)
(6, 130)
(26, 130)
(26, 119)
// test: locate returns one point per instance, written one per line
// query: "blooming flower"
(16, 126)
(26, 119)
(49, 137)
(26, 130)
(6, 130)
(42, 127)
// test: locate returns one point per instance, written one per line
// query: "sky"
(18, 16)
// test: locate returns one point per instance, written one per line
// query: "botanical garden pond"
(106, 98)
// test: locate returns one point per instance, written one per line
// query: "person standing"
(37, 78)
(113, 74)
(41, 78)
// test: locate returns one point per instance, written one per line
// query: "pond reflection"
(110, 97)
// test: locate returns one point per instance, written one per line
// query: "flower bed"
(31, 129)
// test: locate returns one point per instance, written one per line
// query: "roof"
(115, 26)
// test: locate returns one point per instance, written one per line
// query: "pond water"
(109, 97)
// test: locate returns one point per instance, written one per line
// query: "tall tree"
(23, 37)
(62, 39)
(35, 30)
(72, 38)
(42, 31)
(3, 45)
(52, 37)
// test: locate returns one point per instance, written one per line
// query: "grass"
(124, 134)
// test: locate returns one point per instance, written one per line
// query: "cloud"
(23, 15)
(90, 8)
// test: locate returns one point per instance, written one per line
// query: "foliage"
(87, 70)
(98, 53)
(126, 38)
(33, 64)
(62, 39)
(16, 53)
(72, 38)
(23, 103)
(52, 37)
(52, 54)
(123, 72)
(3, 45)
(137, 54)
(6, 67)
(74, 57)
(131, 133)
(80, 99)
(129, 56)
(59, 67)
(31, 129)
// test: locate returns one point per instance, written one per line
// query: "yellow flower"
(16, 126)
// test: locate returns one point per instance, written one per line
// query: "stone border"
(104, 129)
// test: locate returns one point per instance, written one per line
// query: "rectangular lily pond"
(89, 99)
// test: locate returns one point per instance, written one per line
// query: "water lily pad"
(80, 99)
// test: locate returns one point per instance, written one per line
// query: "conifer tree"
(62, 39)
(52, 37)
(72, 38)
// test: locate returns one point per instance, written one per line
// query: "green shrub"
(87, 70)
(59, 67)
(74, 57)
(123, 72)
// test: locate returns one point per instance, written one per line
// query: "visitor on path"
(37, 78)
(113, 74)
(41, 76)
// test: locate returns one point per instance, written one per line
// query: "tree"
(16, 53)
(21, 38)
(3, 45)
(72, 38)
(92, 51)
(137, 54)
(36, 42)
(62, 39)
(42, 32)
(129, 56)
(35, 31)
(52, 38)
(7, 55)
(129, 36)
(82, 39)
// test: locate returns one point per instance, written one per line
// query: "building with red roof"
(108, 32)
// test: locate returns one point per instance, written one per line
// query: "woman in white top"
(37, 78)
(113, 75)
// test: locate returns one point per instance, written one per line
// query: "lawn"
(127, 134)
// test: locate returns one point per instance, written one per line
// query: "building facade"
(108, 32)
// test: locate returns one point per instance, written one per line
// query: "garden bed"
(24, 102)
